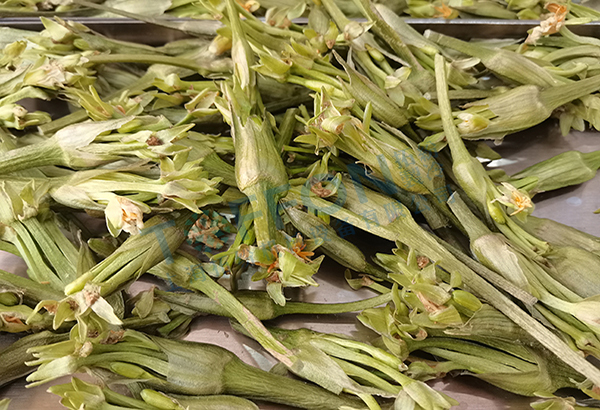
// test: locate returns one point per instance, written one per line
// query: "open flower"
(287, 265)
(249, 5)
(20, 318)
(445, 11)
(125, 214)
(550, 25)
(514, 198)
(52, 74)
(78, 306)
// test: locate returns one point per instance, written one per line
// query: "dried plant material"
(551, 24)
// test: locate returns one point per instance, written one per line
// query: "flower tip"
(514, 198)
(124, 214)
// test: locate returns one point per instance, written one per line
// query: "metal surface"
(573, 206)
(133, 30)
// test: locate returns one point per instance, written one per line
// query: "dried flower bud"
(124, 214)
(552, 24)
(562, 170)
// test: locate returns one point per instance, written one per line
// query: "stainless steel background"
(133, 30)
(573, 206)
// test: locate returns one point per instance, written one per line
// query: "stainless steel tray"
(133, 30)
(573, 206)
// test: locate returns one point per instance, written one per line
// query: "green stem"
(537, 244)
(386, 67)
(62, 122)
(330, 69)
(491, 276)
(437, 210)
(316, 75)
(556, 96)
(16, 11)
(146, 59)
(480, 359)
(38, 269)
(592, 159)
(158, 366)
(274, 31)
(131, 347)
(264, 209)
(469, 94)
(334, 308)
(138, 322)
(32, 292)
(284, 103)
(57, 236)
(246, 381)
(187, 273)
(584, 342)
(378, 354)
(10, 248)
(549, 283)
(406, 33)
(376, 272)
(64, 268)
(388, 35)
(516, 240)
(568, 318)
(369, 400)
(556, 233)
(258, 39)
(376, 74)
(315, 86)
(476, 365)
(340, 352)
(136, 255)
(471, 224)
(556, 303)
(289, 148)
(179, 320)
(81, 115)
(258, 25)
(286, 129)
(503, 62)
(216, 402)
(336, 14)
(464, 47)
(13, 358)
(457, 147)
(31, 156)
(569, 53)
(185, 120)
(121, 400)
(355, 371)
